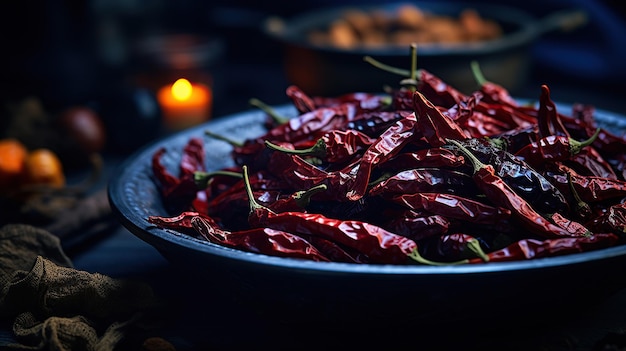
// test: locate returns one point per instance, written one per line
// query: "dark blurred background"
(107, 54)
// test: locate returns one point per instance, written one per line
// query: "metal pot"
(326, 70)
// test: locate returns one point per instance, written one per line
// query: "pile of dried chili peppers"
(422, 174)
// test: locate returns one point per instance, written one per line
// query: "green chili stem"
(415, 255)
(303, 197)
(202, 178)
(478, 74)
(582, 208)
(317, 150)
(223, 138)
(270, 111)
(384, 67)
(253, 204)
(576, 146)
(474, 246)
(476, 163)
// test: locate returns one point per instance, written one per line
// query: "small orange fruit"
(43, 167)
(12, 158)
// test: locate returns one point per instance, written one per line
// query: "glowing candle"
(184, 104)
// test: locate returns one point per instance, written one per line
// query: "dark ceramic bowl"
(322, 292)
(328, 70)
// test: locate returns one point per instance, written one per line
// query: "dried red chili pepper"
(573, 227)
(179, 192)
(336, 146)
(523, 179)
(298, 201)
(613, 220)
(259, 240)
(548, 118)
(553, 148)
(380, 245)
(589, 188)
(349, 183)
(434, 125)
(427, 180)
(390, 143)
(493, 93)
(251, 152)
(589, 161)
(527, 249)
(429, 157)
(453, 206)
(334, 251)
(373, 124)
(501, 194)
(459, 246)
(319, 120)
(416, 225)
(437, 91)
(366, 102)
(181, 221)
(297, 173)
(301, 101)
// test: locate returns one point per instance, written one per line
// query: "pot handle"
(565, 20)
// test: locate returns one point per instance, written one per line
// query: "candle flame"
(181, 89)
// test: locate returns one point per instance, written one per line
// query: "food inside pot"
(403, 26)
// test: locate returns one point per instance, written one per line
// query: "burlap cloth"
(53, 306)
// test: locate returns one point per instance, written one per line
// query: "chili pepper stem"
(253, 204)
(415, 255)
(385, 67)
(478, 74)
(476, 163)
(317, 150)
(303, 197)
(223, 138)
(474, 246)
(583, 209)
(202, 178)
(576, 146)
(270, 111)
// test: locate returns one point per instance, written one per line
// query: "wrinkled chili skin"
(417, 225)
(429, 157)
(390, 143)
(496, 94)
(180, 221)
(334, 251)
(549, 149)
(527, 249)
(501, 194)
(177, 193)
(301, 101)
(589, 188)
(374, 123)
(380, 245)
(433, 125)
(297, 173)
(453, 246)
(259, 240)
(525, 181)
(437, 91)
(304, 125)
(548, 119)
(426, 180)
(612, 220)
(453, 206)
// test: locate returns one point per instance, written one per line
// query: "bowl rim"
(163, 239)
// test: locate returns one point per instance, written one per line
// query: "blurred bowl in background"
(324, 69)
